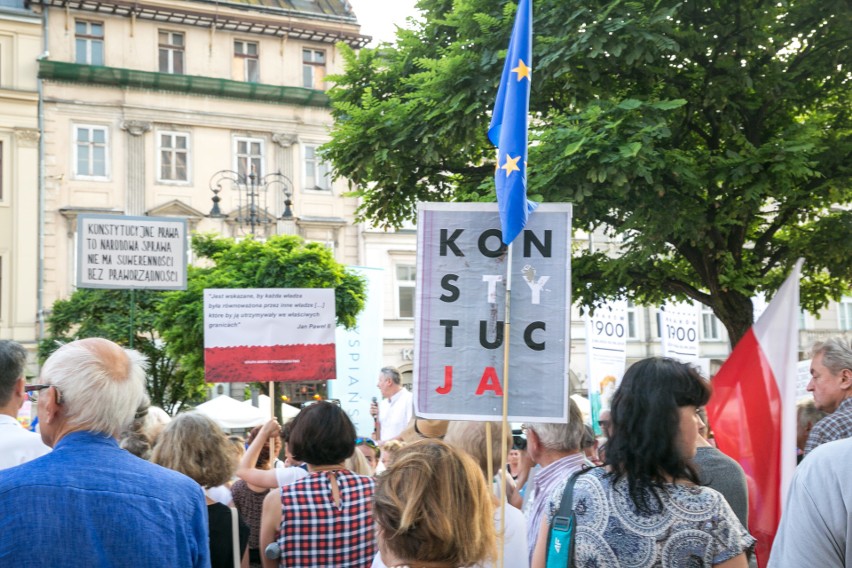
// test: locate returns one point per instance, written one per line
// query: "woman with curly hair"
(646, 507)
(195, 446)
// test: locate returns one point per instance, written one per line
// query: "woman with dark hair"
(646, 508)
(325, 519)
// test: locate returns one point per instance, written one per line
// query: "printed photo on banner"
(606, 354)
(460, 314)
(269, 334)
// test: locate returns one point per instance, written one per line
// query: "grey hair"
(836, 354)
(562, 437)
(806, 411)
(13, 359)
(392, 373)
(101, 385)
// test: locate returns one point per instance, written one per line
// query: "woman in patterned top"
(646, 509)
(325, 519)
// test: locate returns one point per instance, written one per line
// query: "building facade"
(20, 47)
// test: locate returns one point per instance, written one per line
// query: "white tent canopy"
(231, 414)
(265, 407)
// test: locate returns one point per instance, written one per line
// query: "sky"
(379, 17)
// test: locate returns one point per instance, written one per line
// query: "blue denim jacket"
(90, 503)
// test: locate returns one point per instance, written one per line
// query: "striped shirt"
(835, 426)
(547, 487)
(316, 533)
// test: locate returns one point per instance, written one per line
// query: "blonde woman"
(432, 507)
(195, 446)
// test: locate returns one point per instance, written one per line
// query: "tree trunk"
(736, 313)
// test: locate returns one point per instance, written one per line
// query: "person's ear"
(846, 379)
(50, 401)
(20, 387)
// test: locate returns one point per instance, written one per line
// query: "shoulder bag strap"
(235, 536)
(560, 540)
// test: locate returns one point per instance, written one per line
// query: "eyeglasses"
(366, 442)
(603, 423)
(33, 390)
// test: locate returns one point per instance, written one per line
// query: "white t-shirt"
(288, 475)
(816, 527)
(18, 445)
(395, 414)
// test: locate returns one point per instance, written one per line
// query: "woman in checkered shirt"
(325, 519)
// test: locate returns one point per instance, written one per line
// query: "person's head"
(389, 451)
(807, 415)
(94, 385)
(195, 446)
(831, 373)
(655, 425)
(13, 359)
(433, 506)
(372, 452)
(322, 434)
(264, 460)
(605, 422)
(589, 443)
(547, 442)
(471, 438)
(422, 429)
(389, 381)
(357, 463)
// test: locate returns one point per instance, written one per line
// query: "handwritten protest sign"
(269, 334)
(145, 253)
(460, 312)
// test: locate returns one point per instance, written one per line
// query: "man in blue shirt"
(88, 502)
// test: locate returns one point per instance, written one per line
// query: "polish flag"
(753, 410)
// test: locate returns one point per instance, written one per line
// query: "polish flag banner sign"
(753, 410)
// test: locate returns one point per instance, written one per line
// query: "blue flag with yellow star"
(508, 129)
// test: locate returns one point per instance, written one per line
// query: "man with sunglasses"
(88, 502)
(17, 445)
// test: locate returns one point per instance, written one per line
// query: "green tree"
(713, 137)
(106, 313)
(279, 262)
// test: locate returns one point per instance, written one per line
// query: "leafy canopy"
(279, 262)
(712, 137)
(107, 313)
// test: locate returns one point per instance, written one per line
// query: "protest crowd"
(110, 481)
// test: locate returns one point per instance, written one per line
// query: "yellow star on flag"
(511, 165)
(522, 70)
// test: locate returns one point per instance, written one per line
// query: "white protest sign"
(460, 313)
(803, 377)
(269, 334)
(359, 355)
(606, 354)
(679, 331)
(145, 253)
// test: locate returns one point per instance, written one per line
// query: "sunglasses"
(366, 442)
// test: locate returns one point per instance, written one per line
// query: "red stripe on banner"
(745, 414)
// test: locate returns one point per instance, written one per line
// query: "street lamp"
(252, 198)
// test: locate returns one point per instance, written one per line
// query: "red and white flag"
(753, 410)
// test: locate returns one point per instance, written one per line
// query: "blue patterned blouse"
(696, 527)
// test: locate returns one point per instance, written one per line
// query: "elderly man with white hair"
(831, 385)
(88, 502)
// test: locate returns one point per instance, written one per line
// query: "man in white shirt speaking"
(17, 445)
(396, 407)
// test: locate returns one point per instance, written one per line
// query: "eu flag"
(508, 129)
